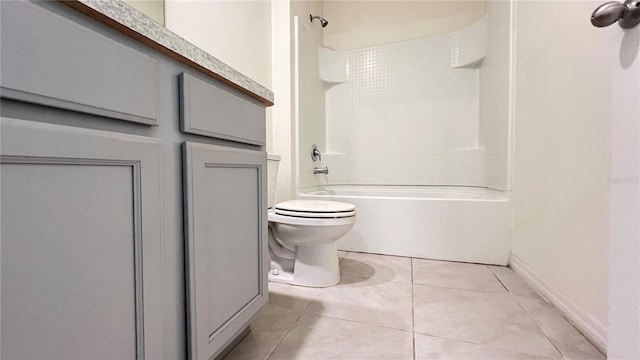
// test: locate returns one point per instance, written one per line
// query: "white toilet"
(303, 234)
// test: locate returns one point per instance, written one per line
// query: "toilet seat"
(272, 216)
(315, 209)
(313, 215)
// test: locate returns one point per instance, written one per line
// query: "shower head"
(323, 21)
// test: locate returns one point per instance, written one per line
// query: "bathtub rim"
(489, 194)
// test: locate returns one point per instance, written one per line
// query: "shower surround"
(403, 115)
(416, 134)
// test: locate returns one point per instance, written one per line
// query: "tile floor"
(389, 307)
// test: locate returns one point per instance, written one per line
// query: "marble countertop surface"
(125, 15)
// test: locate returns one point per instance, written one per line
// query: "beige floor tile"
(455, 275)
(495, 320)
(291, 297)
(392, 268)
(266, 331)
(513, 282)
(315, 337)
(429, 347)
(565, 337)
(371, 301)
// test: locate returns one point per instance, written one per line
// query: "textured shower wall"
(495, 95)
(405, 116)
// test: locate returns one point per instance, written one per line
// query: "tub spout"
(319, 170)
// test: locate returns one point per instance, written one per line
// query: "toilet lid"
(315, 209)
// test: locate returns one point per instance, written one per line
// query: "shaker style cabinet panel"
(226, 249)
(221, 112)
(50, 60)
(96, 226)
(80, 244)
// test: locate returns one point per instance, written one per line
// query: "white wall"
(356, 24)
(281, 133)
(236, 32)
(152, 8)
(624, 216)
(563, 113)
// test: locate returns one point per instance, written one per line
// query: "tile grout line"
(499, 280)
(304, 311)
(385, 255)
(359, 322)
(344, 257)
(538, 326)
(514, 297)
(482, 344)
(286, 332)
(464, 341)
(460, 289)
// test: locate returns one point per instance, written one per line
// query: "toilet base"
(314, 266)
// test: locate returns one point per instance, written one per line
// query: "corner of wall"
(280, 136)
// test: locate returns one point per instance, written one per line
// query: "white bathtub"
(435, 222)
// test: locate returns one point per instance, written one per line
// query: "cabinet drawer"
(221, 112)
(50, 60)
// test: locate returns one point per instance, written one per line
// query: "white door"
(624, 246)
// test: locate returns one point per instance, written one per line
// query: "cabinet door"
(80, 243)
(226, 224)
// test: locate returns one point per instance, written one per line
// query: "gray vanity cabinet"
(133, 194)
(225, 213)
(81, 214)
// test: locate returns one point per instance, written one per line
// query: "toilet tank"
(272, 176)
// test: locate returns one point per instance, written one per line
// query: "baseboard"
(591, 328)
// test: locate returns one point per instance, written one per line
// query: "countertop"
(132, 23)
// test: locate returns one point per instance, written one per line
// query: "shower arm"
(322, 20)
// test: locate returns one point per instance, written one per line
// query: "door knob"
(627, 14)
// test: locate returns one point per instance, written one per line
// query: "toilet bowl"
(302, 241)
(302, 237)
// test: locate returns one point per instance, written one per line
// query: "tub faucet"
(319, 170)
